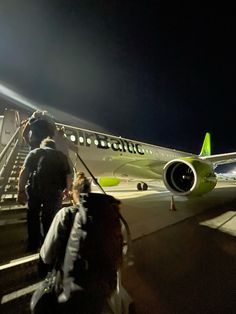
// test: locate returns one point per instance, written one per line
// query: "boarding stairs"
(9, 189)
(17, 274)
(18, 268)
(11, 160)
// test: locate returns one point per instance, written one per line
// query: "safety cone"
(172, 204)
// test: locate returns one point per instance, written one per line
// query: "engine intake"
(189, 176)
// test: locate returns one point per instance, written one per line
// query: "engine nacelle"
(189, 176)
(105, 181)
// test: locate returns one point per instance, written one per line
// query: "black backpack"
(39, 130)
(50, 171)
(100, 241)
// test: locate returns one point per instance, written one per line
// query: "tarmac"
(184, 256)
(184, 260)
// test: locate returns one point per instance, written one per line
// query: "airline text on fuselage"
(103, 141)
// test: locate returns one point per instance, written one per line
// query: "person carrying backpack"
(44, 178)
(85, 243)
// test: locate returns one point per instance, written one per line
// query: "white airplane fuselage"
(107, 155)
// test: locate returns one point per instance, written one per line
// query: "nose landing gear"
(142, 186)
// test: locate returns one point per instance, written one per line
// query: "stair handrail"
(2, 154)
(6, 157)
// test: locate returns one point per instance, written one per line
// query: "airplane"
(111, 159)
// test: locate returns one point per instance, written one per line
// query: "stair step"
(10, 186)
(11, 190)
(23, 152)
(18, 211)
(8, 202)
(14, 236)
(10, 199)
(13, 221)
(14, 173)
(19, 279)
(9, 196)
(13, 180)
(20, 157)
(17, 167)
(19, 273)
(18, 301)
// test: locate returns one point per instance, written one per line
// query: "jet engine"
(189, 176)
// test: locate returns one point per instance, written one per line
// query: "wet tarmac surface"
(185, 268)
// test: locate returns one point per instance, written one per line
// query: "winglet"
(206, 146)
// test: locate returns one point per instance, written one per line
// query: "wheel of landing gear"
(139, 186)
(142, 186)
(145, 186)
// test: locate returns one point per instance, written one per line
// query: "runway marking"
(225, 223)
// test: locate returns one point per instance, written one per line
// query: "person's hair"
(78, 180)
(80, 185)
(80, 174)
(48, 142)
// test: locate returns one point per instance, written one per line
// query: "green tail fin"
(206, 146)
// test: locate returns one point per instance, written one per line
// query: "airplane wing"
(217, 159)
(221, 159)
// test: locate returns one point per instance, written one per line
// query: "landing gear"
(142, 186)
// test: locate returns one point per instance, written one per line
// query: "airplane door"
(10, 123)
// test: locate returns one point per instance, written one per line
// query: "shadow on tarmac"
(184, 268)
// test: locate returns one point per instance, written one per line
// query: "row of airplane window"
(103, 143)
(116, 146)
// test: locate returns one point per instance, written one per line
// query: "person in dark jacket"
(44, 178)
(38, 127)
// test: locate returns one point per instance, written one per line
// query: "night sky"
(132, 67)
